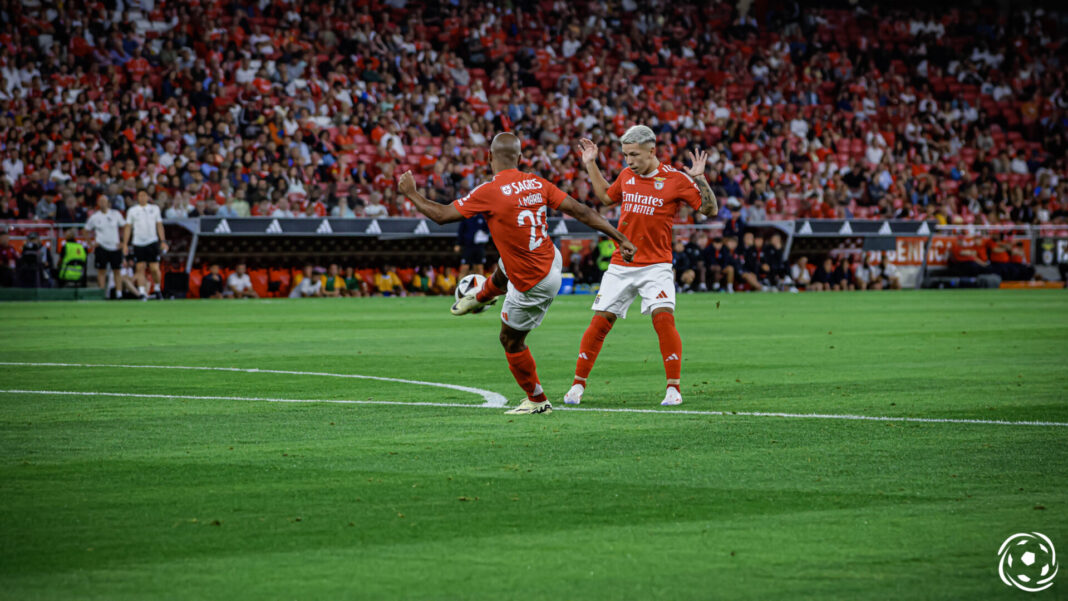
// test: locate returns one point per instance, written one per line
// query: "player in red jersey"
(515, 206)
(651, 193)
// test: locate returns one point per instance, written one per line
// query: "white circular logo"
(1028, 561)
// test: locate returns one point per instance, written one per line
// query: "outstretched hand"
(697, 163)
(627, 250)
(406, 184)
(588, 149)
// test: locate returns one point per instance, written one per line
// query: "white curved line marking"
(492, 399)
(924, 420)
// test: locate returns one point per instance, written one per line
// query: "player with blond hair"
(651, 193)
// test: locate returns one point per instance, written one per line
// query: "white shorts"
(524, 311)
(620, 285)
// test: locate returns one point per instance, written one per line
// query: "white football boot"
(469, 303)
(574, 396)
(528, 406)
(672, 397)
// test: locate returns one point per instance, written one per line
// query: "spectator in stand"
(8, 257)
(239, 283)
(695, 252)
(375, 209)
(388, 283)
(823, 279)
(733, 225)
(715, 259)
(106, 226)
(684, 269)
(773, 268)
(354, 284)
(967, 257)
(309, 285)
(843, 273)
(800, 276)
(445, 283)
(70, 211)
(751, 262)
(866, 277)
(333, 282)
(731, 262)
(423, 281)
(211, 286)
(888, 275)
(342, 210)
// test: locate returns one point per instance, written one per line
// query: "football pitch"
(123, 477)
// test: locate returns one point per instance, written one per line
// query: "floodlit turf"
(153, 498)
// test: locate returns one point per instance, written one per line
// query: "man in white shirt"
(105, 225)
(310, 285)
(239, 284)
(145, 223)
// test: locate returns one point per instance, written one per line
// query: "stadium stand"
(284, 108)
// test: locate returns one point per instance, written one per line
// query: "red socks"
(489, 291)
(670, 347)
(590, 347)
(526, 374)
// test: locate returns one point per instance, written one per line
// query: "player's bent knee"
(611, 317)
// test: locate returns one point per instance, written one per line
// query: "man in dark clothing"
(471, 239)
(212, 284)
(773, 266)
(750, 255)
(695, 252)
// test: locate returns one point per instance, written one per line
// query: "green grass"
(155, 498)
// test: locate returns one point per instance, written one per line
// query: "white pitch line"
(492, 399)
(924, 420)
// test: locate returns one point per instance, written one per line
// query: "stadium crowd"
(292, 108)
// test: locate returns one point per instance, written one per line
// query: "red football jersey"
(515, 205)
(649, 206)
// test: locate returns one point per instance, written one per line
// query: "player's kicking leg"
(521, 313)
(494, 286)
(525, 372)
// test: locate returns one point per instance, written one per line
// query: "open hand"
(406, 184)
(697, 163)
(588, 149)
(627, 250)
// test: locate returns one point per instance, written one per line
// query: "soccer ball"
(469, 282)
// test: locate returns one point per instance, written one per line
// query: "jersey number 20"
(539, 229)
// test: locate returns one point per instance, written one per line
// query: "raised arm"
(589, 160)
(709, 205)
(594, 219)
(438, 213)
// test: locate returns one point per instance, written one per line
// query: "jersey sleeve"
(553, 195)
(475, 202)
(687, 191)
(615, 191)
(159, 215)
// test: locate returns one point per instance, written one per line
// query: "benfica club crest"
(658, 183)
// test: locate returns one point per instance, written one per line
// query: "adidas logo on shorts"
(662, 294)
